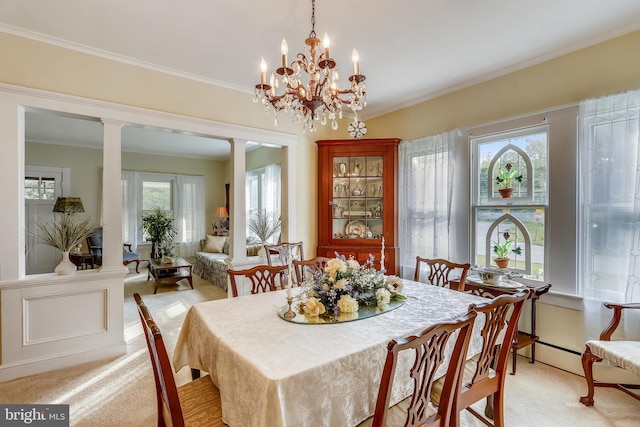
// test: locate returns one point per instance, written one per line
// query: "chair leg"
(137, 265)
(587, 364)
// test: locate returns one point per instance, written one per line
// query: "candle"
(290, 278)
(263, 71)
(284, 49)
(326, 43)
(382, 255)
(355, 58)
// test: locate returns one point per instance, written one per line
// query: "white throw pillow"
(214, 244)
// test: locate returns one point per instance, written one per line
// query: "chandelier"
(320, 99)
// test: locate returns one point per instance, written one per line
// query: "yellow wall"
(606, 68)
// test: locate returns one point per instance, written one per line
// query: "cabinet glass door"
(357, 197)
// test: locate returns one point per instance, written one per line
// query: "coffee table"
(171, 272)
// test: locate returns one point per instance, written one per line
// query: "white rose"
(353, 264)
(347, 304)
(383, 296)
(341, 284)
(313, 307)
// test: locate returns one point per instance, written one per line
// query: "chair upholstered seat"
(129, 256)
(625, 354)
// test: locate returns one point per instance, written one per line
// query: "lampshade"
(68, 205)
(221, 212)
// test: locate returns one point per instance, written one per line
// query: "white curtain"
(189, 213)
(271, 190)
(609, 200)
(131, 198)
(426, 173)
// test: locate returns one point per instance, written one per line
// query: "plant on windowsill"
(159, 230)
(502, 251)
(507, 174)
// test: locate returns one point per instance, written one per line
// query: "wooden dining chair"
(442, 271)
(264, 278)
(312, 266)
(483, 375)
(281, 250)
(428, 348)
(622, 353)
(196, 403)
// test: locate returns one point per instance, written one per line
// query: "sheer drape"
(271, 190)
(426, 174)
(609, 198)
(189, 213)
(131, 197)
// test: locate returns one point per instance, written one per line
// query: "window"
(39, 188)
(509, 229)
(181, 195)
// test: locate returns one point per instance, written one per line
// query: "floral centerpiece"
(345, 286)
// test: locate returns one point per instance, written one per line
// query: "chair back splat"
(312, 266)
(282, 250)
(195, 403)
(263, 278)
(429, 350)
(442, 271)
(485, 373)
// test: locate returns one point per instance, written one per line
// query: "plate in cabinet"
(357, 229)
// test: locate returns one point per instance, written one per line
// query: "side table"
(83, 260)
(522, 339)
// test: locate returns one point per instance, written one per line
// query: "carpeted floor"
(121, 392)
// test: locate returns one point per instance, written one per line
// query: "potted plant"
(264, 226)
(507, 174)
(159, 230)
(64, 234)
(502, 252)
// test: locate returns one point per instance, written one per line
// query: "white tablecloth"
(275, 373)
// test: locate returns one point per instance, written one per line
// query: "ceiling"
(410, 50)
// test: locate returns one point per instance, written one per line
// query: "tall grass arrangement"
(263, 225)
(64, 233)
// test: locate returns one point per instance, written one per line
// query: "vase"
(65, 266)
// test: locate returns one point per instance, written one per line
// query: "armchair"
(625, 354)
(94, 243)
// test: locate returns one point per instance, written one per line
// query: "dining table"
(274, 372)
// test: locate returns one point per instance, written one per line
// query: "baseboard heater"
(557, 347)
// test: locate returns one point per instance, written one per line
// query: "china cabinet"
(357, 200)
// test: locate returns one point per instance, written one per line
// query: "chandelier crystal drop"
(320, 100)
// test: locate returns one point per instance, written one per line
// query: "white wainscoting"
(51, 321)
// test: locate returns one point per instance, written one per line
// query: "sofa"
(210, 262)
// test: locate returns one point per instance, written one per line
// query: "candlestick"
(289, 314)
(382, 256)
